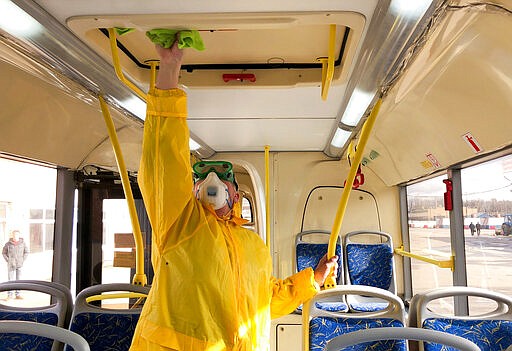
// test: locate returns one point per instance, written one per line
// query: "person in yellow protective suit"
(213, 287)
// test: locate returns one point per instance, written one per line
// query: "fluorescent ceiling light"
(357, 105)
(411, 9)
(135, 105)
(340, 137)
(16, 21)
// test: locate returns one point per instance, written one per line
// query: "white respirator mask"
(213, 191)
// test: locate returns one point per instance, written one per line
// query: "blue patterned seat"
(309, 253)
(105, 328)
(489, 331)
(320, 325)
(327, 328)
(56, 313)
(370, 264)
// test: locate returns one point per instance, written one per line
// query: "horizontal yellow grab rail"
(440, 263)
(130, 295)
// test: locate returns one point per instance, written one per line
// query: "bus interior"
(408, 101)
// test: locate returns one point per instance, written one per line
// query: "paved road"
(488, 260)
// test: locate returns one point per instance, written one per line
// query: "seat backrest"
(311, 246)
(345, 341)
(369, 259)
(106, 328)
(320, 326)
(20, 329)
(490, 331)
(56, 313)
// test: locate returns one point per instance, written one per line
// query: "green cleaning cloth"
(166, 37)
(120, 31)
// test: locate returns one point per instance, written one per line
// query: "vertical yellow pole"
(139, 278)
(267, 195)
(330, 282)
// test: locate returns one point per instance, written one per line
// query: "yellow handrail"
(440, 263)
(117, 65)
(267, 195)
(115, 296)
(139, 277)
(328, 63)
(330, 282)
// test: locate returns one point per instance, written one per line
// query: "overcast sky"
(490, 180)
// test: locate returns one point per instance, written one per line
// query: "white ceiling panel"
(254, 134)
(263, 103)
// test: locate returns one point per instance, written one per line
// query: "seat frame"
(61, 301)
(419, 311)
(84, 307)
(408, 333)
(395, 307)
(45, 330)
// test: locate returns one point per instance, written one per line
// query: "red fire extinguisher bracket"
(448, 203)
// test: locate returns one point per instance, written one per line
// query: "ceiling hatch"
(277, 49)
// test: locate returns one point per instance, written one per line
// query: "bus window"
(429, 232)
(27, 204)
(487, 199)
(247, 209)
(247, 212)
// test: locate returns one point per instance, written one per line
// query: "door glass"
(429, 230)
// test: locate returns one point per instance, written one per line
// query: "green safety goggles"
(223, 169)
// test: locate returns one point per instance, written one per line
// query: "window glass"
(49, 214)
(487, 198)
(246, 209)
(429, 231)
(27, 192)
(36, 213)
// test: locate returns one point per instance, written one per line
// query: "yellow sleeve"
(165, 177)
(289, 293)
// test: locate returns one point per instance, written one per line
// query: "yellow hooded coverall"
(213, 287)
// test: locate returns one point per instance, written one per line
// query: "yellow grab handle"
(117, 66)
(328, 63)
(139, 278)
(440, 263)
(330, 282)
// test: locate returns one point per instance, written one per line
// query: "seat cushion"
(323, 329)
(104, 331)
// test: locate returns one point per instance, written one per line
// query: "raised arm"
(165, 175)
(170, 65)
